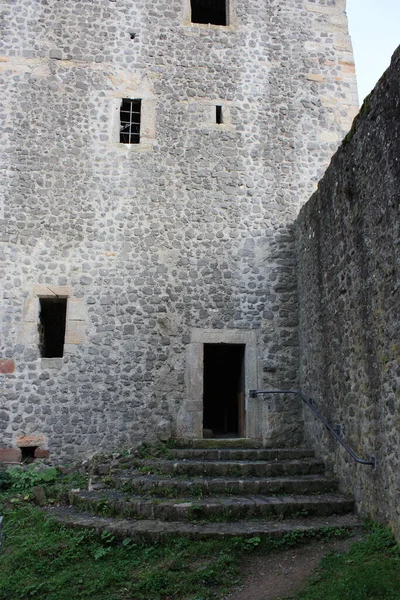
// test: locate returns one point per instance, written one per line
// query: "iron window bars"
(130, 115)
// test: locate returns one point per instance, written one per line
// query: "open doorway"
(223, 391)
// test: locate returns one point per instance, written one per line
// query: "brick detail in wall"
(10, 455)
(7, 367)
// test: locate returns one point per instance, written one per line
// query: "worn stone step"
(241, 454)
(197, 487)
(232, 468)
(216, 443)
(213, 508)
(151, 531)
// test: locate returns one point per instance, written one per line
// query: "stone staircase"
(205, 488)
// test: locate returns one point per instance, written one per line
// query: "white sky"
(375, 32)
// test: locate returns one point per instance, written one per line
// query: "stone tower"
(156, 153)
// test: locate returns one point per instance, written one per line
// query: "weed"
(197, 491)
(154, 450)
(103, 507)
(300, 514)
(252, 542)
(108, 481)
(147, 469)
(23, 478)
(5, 480)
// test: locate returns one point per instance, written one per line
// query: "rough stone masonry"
(348, 243)
(162, 246)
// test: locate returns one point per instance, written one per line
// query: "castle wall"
(348, 244)
(152, 242)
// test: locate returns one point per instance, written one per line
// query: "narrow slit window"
(209, 11)
(218, 115)
(130, 115)
(53, 314)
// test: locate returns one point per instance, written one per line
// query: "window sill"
(188, 25)
(52, 363)
(144, 146)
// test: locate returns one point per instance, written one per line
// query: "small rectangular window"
(53, 314)
(209, 11)
(218, 115)
(130, 114)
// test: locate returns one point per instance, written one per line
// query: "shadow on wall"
(348, 252)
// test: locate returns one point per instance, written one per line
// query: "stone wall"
(186, 231)
(348, 245)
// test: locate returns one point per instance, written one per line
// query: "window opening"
(28, 454)
(218, 115)
(209, 11)
(130, 114)
(53, 314)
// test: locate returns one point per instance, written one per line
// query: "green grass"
(369, 571)
(43, 560)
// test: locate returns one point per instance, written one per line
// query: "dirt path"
(279, 575)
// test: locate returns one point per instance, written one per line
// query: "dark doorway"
(223, 394)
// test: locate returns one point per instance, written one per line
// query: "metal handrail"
(332, 430)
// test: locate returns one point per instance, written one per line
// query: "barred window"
(130, 114)
(209, 11)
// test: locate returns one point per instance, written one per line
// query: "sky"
(375, 32)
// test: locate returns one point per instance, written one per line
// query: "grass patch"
(42, 559)
(369, 571)
(154, 450)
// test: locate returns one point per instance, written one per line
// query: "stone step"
(232, 468)
(230, 508)
(216, 443)
(241, 454)
(197, 487)
(152, 531)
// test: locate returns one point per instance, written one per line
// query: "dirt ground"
(280, 575)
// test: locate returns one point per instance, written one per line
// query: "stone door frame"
(190, 418)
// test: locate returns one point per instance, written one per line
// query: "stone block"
(75, 332)
(41, 453)
(47, 291)
(10, 455)
(223, 336)
(7, 367)
(76, 310)
(56, 54)
(70, 349)
(194, 373)
(324, 10)
(61, 290)
(39, 496)
(43, 290)
(28, 334)
(315, 77)
(52, 363)
(30, 312)
(25, 441)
